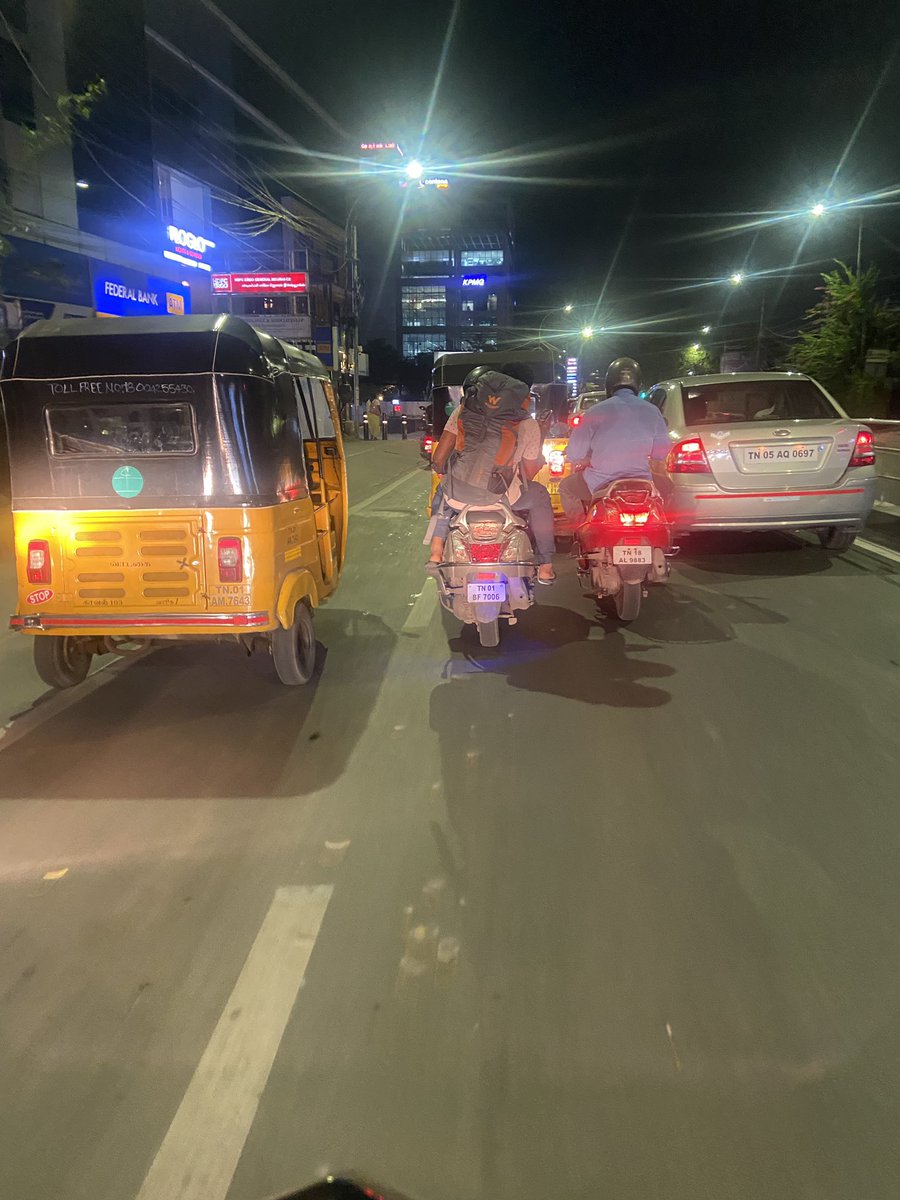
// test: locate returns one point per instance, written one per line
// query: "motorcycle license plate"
(486, 592)
(632, 556)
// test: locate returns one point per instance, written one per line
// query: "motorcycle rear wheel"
(489, 633)
(628, 601)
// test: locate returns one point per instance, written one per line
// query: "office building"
(455, 271)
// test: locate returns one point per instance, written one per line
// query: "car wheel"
(628, 601)
(61, 662)
(836, 539)
(294, 649)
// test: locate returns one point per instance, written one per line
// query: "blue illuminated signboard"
(572, 375)
(120, 292)
(474, 280)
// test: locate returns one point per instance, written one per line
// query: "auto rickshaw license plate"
(493, 592)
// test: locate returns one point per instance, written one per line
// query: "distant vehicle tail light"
(575, 420)
(864, 450)
(396, 406)
(688, 457)
(38, 568)
(486, 552)
(427, 444)
(231, 560)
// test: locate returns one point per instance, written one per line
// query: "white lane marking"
(886, 506)
(200, 1152)
(879, 551)
(419, 616)
(385, 491)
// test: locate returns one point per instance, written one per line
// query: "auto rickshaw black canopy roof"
(210, 342)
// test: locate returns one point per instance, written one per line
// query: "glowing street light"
(817, 210)
(695, 346)
(706, 329)
(567, 308)
(588, 331)
(736, 279)
(414, 169)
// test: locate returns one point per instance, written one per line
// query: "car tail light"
(427, 444)
(575, 420)
(38, 567)
(483, 552)
(231, 560)
(688, 457)
(864, 450)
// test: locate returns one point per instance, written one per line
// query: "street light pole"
(354, 316)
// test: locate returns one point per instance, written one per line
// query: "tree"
(695, 360)
(844, 325)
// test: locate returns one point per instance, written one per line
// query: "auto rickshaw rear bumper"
(142, 625)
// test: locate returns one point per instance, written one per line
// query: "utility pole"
(354, 317)
(760, 331)
(859, 237)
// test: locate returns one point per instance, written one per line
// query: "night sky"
(621, 118)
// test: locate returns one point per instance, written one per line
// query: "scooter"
(488, 573)
(625, 544)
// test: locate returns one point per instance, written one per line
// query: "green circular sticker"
(127, 482)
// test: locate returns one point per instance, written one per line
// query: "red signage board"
(261, 283)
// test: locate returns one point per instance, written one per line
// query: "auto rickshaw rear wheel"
(62, 662)
(294, 648)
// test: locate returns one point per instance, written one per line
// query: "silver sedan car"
(765, 451)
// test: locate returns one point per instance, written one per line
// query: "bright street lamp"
(706, 329)
(414, 169)
(587, 332)
(695, 346)
(817, 209)
(736, 279)
(567, 308)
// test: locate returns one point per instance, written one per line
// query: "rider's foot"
(546, 574)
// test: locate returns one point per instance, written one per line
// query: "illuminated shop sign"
(120, 292)
(261, 283)
(572, 375)
(190, 248)
(474, 280)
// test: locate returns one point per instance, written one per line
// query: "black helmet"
(474, 375)
(623, 373)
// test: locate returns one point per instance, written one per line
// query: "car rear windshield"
(121, 430)
(756, 400)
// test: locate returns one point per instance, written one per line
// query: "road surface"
(605, 913)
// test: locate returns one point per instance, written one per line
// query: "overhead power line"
(277, 72)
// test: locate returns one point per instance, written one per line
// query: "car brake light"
(688, 457)
(483, 552)
(575, 420)
(38, 567)
(231, 560)
(864, 450)
(428, 443)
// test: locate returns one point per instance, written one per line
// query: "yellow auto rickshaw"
(172, 478)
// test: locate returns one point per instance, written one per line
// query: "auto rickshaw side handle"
(297, 586)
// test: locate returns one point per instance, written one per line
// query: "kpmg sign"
(120, 292)
(190, 248)
(474, 281)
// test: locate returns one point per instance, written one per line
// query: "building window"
(423, 305)
(422, 343)
(426, 262)
(481, 258)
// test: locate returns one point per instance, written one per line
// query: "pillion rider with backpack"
(492, 446)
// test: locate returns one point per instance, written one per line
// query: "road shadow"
(761, 555)
(551, 650)
(195, 721)
(678, 614)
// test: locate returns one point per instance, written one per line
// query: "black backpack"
(486, 437)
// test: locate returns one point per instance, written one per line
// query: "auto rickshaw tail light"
(38, 568)
(231, 560)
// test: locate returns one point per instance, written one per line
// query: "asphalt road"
(605, 913)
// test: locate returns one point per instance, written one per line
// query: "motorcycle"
(489, 570)
(624, 544)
